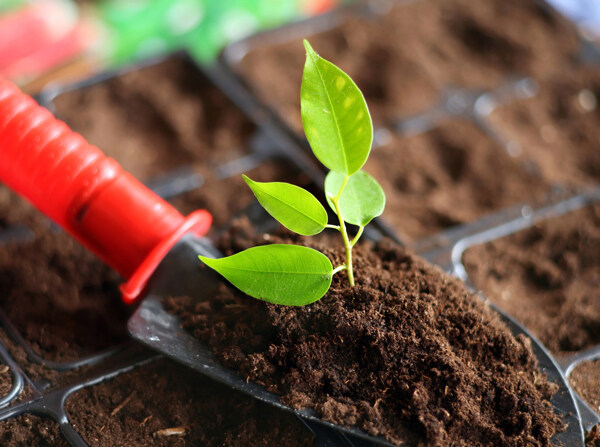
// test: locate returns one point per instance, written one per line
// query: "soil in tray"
(402, 59)
(559, 129)
(547, 277)
(224, 198)
(62, 299)
(31, 431)
(5, 380)
(409, 354)
(451, 175)
(585, 378)
(14, 210)
(157, 118)
(136, 408)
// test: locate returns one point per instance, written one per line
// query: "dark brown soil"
(547, 277)
(403, 59)
(39, 373)
(592, 438)
(158, 118)
(30, 431)
(224, 198)
(5, 380)
(585, 378)
(558, 129)
(134, 408)
(62, 299)
(15, 210)
(19, 355)
(451, 175)
(409, 354)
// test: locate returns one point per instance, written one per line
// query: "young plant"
(340, 132)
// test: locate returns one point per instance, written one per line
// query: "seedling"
(338, 126)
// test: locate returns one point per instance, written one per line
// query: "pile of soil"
(451, 175)
(547, 277)
(585, 378)
(558, 129)
(409, 354)
(402, 59)
(31, 431)
(135, 407)
(62, 299)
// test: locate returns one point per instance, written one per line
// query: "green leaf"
(334, 115)
(296, 208)
(362, 199)
(278, 273)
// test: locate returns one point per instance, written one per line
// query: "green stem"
(339, 194)
(333, 227)
(338, 269)
(347, 243)
(358, 235)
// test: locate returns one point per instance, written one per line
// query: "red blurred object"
(87, 193)
(315, 7)
(28, 29)
(49, 56)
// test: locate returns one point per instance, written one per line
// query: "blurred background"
(46, 40)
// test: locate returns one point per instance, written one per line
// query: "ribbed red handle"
(87, 193)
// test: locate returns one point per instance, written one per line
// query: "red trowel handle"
(87, 193)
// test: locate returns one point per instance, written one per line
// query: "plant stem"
(347, 243)
(333, 227)
(358, 235)
(338, 269)
(339, 194)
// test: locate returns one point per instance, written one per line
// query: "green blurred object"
(141, 28)
(7, 5)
